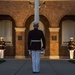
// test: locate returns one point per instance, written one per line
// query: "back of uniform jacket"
(34, 40)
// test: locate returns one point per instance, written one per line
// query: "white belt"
(1, 45)
(35, 40)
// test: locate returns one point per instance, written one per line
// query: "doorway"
(7, 31)
(44, 26)
(67, 30)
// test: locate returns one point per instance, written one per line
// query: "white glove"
(29, 52)
(42, 51)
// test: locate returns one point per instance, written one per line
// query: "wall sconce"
(40, 4)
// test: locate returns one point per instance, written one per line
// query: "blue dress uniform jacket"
(2, 45)
(34, 40)
(71, 45)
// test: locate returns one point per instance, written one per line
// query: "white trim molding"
(58, 57)
(19, 57)
(53, 57)
(40, 0)
(20, 29)
(54, 29)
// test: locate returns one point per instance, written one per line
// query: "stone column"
(54, 43)
(20, 42)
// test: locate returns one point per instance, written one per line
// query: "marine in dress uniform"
(34, 46)
(71, 47)
(2, 47)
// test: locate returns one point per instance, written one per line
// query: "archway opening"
(44, 26)
(67, 29)
(7, 31)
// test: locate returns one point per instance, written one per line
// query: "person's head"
(35, 25)
(1, 38)
(71, 38)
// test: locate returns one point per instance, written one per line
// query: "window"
(68, 30)
(6, 30)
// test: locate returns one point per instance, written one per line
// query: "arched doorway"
(67, 29)
(41, 27)
(44, 26)
(7, 31)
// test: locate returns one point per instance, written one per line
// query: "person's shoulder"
(40, 30)
(31, 31)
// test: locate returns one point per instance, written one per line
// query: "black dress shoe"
(36, 72)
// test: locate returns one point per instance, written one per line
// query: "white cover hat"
(71, 37)
(1, 37)
(35, 23)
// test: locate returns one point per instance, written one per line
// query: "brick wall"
(52, 11)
